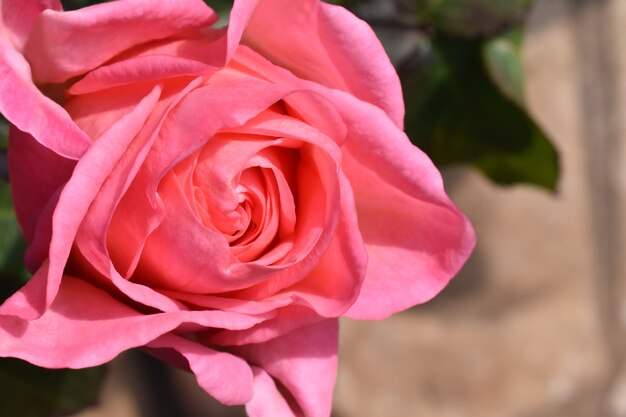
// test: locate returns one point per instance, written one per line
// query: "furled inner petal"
(249, 196)
(247, 213)
(260, 231)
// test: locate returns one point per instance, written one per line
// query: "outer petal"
(286, 320)
(225, 377)
(19, 16)
(415, 237)
(63, 45)
(89, 175)
(305, 362)
(32, 112)
(85, 327)
(329, 45)
(267, 400)
(200, 52)
(239, 19)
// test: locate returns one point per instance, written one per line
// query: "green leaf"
(456, 114)
(222, 8)
(503, 60)
(471, 18)
(220, 5)
(29, 391)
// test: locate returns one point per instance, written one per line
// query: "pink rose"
(219, 196)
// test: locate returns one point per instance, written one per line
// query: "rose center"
(254, 207)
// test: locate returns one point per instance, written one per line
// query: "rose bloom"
(219, 196)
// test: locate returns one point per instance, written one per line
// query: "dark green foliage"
(457, 114)
(471, 18)
(220, 6)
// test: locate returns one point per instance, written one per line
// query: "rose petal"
(86, 326)
(267, 400)
(328, 45)
(92, 235)
(417, 240)
(304, 361)
(225, 377)
(32, 112)
(90, 173)
(130, 215)
(224, 303)
(303, 103)
(238, 20)
(138, 70)
(197, 258)
(334, 284)
(256, 187)
(356, 51)
(233, 152)
(63, 45)
(97, 113)
(318, 208)
(36, 175)
(285, 320)
(19, 16)
(232, 103)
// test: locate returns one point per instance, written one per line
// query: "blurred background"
(535, 324)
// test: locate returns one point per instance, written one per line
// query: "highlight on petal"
(138, 70)
(238, 21)
(30, 111)
(329, 45)
(17, 18)
(66, 44)
(416, 239)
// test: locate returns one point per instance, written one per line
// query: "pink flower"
(217, 196)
